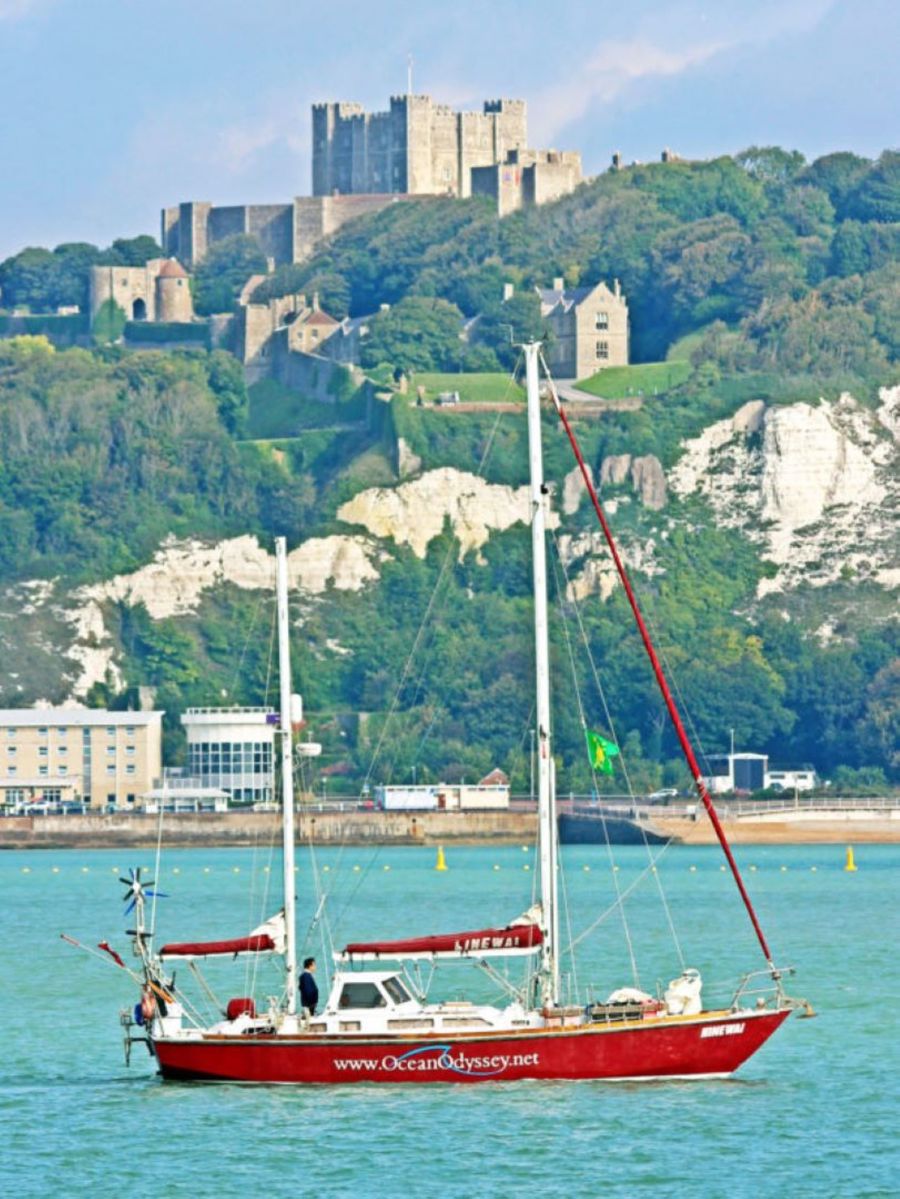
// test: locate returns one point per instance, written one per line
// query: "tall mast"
(547, 830)
(287, 774)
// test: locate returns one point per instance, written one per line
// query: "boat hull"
(701, 1046)
(592, 828)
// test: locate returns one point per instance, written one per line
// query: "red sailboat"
(377, 1025)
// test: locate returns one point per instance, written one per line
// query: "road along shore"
(136, 829)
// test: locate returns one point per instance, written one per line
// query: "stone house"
(588, 326)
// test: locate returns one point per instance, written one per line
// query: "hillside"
(753, 486)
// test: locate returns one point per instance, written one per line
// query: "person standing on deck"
(309, 992)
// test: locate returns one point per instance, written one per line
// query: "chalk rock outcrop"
(414, 513)
(816, 491)
(597, 574)
(646, 473)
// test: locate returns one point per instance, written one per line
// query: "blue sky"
(113, 108)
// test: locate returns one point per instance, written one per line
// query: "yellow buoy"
(441, 863)
(26, 870)
(324, 868)
(814, 869)
(356, 868)
(693, 869)
(586, 868)
(387, 867)
(496, 867)
(235, 869)
(176, 870)
(851, 865)
(55, 869)
(526, 867)
(85, 869)
(206, 870)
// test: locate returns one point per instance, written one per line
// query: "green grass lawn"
(647, 378)
(476, 388)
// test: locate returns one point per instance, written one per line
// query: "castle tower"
(173, 293)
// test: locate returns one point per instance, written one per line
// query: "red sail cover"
(516, 938)
(208, 949)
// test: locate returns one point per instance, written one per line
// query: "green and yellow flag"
(600, 752)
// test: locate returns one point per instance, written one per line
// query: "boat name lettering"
(722, 1030)
(510, 941)
(429, 1058)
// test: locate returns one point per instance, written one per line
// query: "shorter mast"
(547, 831)
(287, 774)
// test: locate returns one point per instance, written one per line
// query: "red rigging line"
(686, 747)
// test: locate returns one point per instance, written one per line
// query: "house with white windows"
(588, 327)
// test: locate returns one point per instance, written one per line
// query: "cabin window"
(361, 995)
(396, 990)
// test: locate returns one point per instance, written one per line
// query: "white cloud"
(617, 68)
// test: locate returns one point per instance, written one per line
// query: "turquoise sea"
(815, 1113)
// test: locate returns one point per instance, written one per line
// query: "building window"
(12, 770)
(62, 749)
(129, 750)
(42, 751)
(111, 770)
(10, 732)
(129, 770)
(110, 730)
(42, 732)
(11, 750)
(129, 730)
(42, 770)
(602, 321)
(62, 733)
(315, 334)
(110, 751)
(602, 349)
(63, 770)
(130, 797)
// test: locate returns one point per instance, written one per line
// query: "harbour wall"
(126, 829)
(514, 827)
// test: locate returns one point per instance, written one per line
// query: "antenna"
(409, 67)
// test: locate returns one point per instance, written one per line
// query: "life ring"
(148, 1005)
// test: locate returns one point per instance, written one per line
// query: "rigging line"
(660, 677)
(633, 885)
(486, 453)
(568, 916)
(622, 758)
(261, 601)
(609, 850)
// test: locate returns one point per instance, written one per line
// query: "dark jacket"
(309, 992)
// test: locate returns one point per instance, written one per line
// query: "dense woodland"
(775, 277)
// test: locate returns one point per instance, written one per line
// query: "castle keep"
(416, 147)
(420, 148)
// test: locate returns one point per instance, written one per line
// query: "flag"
(600, 752)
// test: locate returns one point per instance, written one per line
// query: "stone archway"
(139, 310)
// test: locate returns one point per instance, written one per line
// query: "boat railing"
(759, 986)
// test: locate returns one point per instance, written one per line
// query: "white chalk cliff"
(817, 488)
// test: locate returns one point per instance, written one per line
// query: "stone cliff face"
(815, 486)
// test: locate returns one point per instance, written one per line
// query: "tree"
(416, 335)
(504, 326)
(224, 271)
(109, 323)
(838, 175)
(133, 251)
(227, 383)
(877, 196)
(771, 164)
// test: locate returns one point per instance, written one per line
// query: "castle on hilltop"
(421, 148)
(362, 162)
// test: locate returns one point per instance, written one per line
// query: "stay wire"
(622, 757)
(609, 850)
(426, 619)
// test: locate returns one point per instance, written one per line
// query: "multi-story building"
(588, 326)
(92, 756)
(232, 749)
